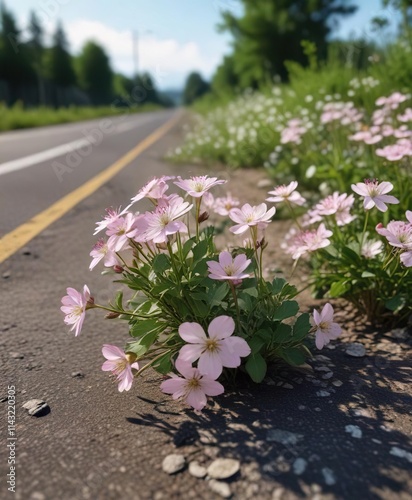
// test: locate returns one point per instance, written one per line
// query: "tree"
(59, 67)
(195, 87)
(95, 74)
(269, 32)
(15, 66)
(225, 79)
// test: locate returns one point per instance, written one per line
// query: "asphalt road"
(339, 436)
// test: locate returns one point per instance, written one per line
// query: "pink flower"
(101, 251)
(371, 248)
(120, 231)
(249, 216)
(162, 222)
(407, 116)
(197, 186)
(111, 216)
(398, 234)
(228, 268)
(324, 327)
(334, 204)
(286, 193)
(120, 364)
(74, 307)
(375, 194)
(217, 350)
(392, 101)
(224, 205)
(395, 152)
(193, 387)
(303, 242)
(406, 258)
(154, 190)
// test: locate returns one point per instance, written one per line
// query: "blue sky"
(174, 36)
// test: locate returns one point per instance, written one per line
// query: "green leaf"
(163, 364)
(395, 303)
(277, 285)
(200, 251)
(338, 288)
(367, 274)
(187, 247)
(161, 263)
(301, 327)
(119, 300)
(136, 348)
(287, 309)
(145, 326)
(256, 343)
(283, 333)
(294, 356)
(256, 367)
(217, 294)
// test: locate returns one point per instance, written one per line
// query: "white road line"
(69, 147)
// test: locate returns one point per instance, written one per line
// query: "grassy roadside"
(17, 117)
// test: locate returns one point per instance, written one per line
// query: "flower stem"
(232, 288)
(365, 225)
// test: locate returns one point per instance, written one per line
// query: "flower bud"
(90, 303)
(161, 246)
(118, 269)
(112, 315)
(202, 217)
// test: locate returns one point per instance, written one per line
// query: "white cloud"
(166, 59)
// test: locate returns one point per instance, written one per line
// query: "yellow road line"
(20, 236)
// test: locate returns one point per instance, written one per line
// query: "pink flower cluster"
(345, 112)
(399, 235)
(299, 243)
(337, 205)
(293, 131)
(212, 352)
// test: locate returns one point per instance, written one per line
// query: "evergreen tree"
(59, 67)
(95, 74)
(270, 32)
(195, 87)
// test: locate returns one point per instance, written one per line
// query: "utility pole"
(135, 52)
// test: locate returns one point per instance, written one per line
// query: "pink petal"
(185, 368)
(380, 205)
(360, 189)
(225, 259)
(239, 228)
(368, 203)
(327, 313)
(385, 187)
(112, 352)
(387, 198)
(237, 346)
(197, 399)
(211, 387)
(109, 366)
(321, 340)
(334, 331)
(237, 215)
(190, 353)
(192, 332)
(316, 317)
(175, 386)
(221, 327)
(210, 364)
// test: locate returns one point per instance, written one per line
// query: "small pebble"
(223, 468)
(337, 383)
(197, 470)
(299, 466)
(173, 463)
(17, 355)
(329, 476)
(283, 437)
(356, 350)
(322, 394)
(398, 452)
(220, 488)
(354, 431)
(77, 375)
(6, 275)
(327, 376)
(36, 407)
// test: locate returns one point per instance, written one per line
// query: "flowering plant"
(347, 255)
(191, 303)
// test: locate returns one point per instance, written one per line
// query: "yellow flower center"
(324, 325)
(212, 345)
(193, 383)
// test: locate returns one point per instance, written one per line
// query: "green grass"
(16, 117)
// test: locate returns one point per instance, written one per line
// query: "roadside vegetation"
(335, 119)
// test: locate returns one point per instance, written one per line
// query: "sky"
(173, 37)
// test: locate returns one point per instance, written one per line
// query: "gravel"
(356, 350)
(36, 407)
(223, 468)
(173, 463)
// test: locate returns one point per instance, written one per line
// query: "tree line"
(269, 35)
(35, 74)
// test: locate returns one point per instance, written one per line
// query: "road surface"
(338, 429)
